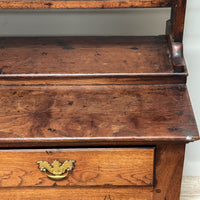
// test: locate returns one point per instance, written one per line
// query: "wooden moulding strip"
(97, 79)
(39, 4)
(81, 142)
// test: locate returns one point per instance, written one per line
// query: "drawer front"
(93, 167)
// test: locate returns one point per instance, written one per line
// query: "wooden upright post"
(178, 19)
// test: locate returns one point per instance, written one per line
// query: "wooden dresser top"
(70, 115)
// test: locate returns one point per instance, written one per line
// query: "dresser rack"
(111, 113)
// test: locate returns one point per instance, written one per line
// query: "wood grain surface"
(84, 55)
(93, 167)
(63, 4)
(87, 114)
(178, 19)
(158, 115)
(168, 171)
(91, 79)
(87, 60)
(177, 57)
(65, 193)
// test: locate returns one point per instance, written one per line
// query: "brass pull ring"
(56, 170)
(56, 177)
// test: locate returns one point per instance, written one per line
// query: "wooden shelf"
(82, 115)
(64, 4)
(86, 60)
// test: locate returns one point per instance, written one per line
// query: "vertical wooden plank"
(168, 174)
(178, 19)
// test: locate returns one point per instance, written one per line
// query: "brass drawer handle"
(56, 170)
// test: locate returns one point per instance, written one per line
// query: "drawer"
(92, 167)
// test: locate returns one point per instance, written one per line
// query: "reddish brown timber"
(63, 4)
(97, 79)
(95, 114)
(87, 60)
(177, 57)
(92, 167)
(89, 193)
(168, 170)
(85, 55)
(178, 19)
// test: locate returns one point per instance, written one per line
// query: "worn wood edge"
(38, 142)
(105, 144)
(110, 75)
(177, 57)
(189, 138)
(82, 4)
(152, 149)
(97, 79)
(192, 111)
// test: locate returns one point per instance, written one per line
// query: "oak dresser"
(100, 118)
